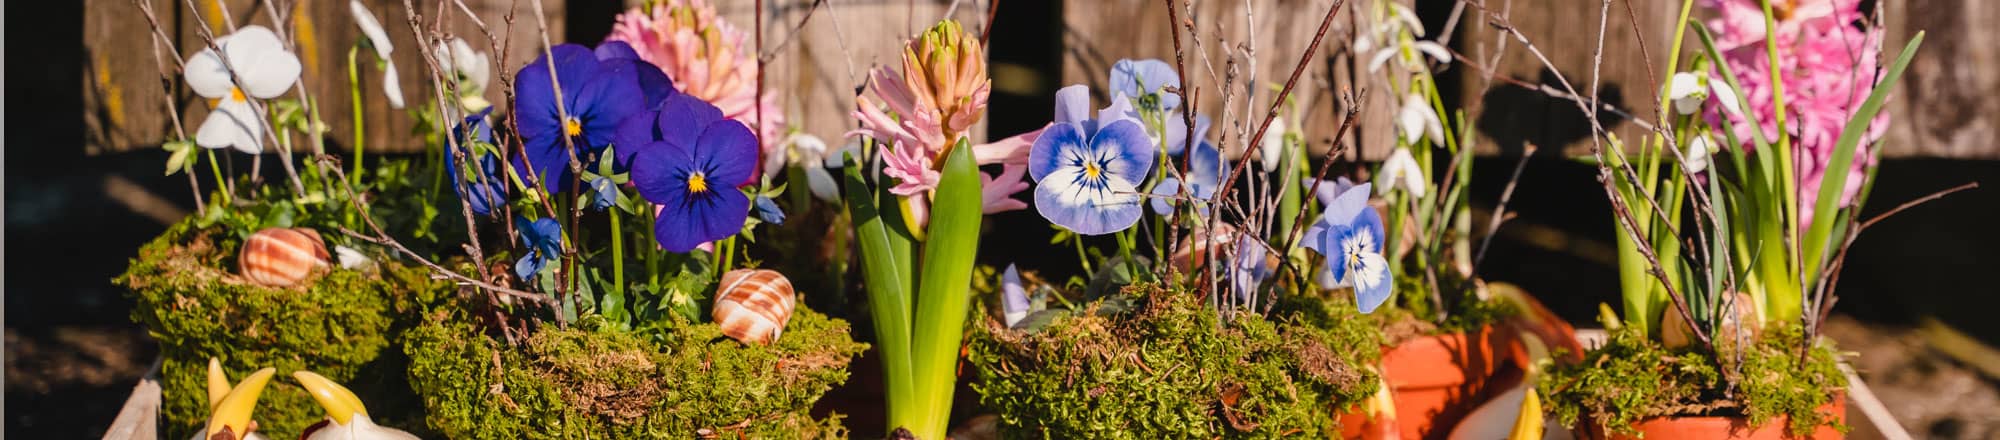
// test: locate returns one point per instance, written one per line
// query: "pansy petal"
(232, 124)
(655, 173)
(1067, 199)
(205, 74)
(1164, 192)
(1131, 152)
(603, 103)
(653, 83)
(261, 62)
(683, 117)
(1348, 205)
(613, 50)
(1135, 78)
(635, 134)
(727, 150)
(1372, 285)
(1072, 104)
(1205, 167)
(1046, 154)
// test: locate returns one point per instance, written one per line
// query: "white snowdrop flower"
(392, 86)
(1689, 89)
(470, 69)
(1696, 158)
(1401, 172)
(1417, 121)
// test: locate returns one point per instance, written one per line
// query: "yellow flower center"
(572, 127)
(236, 94)
(697, 183)
(1092, 171)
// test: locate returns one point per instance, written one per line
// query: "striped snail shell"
(752, 305)
(281, 256)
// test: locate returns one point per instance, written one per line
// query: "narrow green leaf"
(885, 269)
(1818, 239)
(944, 289)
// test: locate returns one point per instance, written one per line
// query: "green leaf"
(1818, 237)
(944, 289)
(885, 267)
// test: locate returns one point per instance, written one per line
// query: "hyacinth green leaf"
(1818, 240)
(885, 265)
(945, 287)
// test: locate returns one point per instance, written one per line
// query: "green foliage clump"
(1632, 378)
(1174, 369)
(339, 324)
(679, 381)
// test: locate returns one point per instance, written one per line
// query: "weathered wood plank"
(123, 105)
(1944, 106)
(1098, 34)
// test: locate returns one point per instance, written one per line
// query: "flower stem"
(354, 95)
(617, 254)
(216, 166)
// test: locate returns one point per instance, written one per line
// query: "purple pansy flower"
(1349, 233)
(1088, 171)
(694, 171)
(598, 90)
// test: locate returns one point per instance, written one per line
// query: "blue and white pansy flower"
(1088, 171)
(1144, 80)
(1204, 174)
(1349, 233)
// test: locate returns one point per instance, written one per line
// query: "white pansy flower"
(265, 70)
(351, 258)
(1401, 172)
(392, 87)
(471, 70)
(1271, 148)
(1417, 121)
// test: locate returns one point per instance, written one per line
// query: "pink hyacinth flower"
(706, 57)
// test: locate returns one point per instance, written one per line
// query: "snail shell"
(281, 256)
(752, 305)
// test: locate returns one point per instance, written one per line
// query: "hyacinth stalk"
(918, 273)
(1757, 239)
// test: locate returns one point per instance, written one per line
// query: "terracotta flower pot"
(1737, 428)
(1437, 379)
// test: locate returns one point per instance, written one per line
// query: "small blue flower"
(484, 189)
(1142, 80)
(1349, 233)
(1088, 171)
(767, 210)
(694, 173)
(1204, 175)
(599, 90)
(543, 239)
(1176, 132)
(603, 193)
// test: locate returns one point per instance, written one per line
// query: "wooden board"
(1098, 34)
(124, 108)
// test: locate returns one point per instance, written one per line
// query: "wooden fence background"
(1941, 109)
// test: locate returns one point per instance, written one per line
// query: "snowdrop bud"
(1271, 148)
(1696, 158)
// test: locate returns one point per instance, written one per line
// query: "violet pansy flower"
(1088, 170)
(1349, 233)
(694, 173)
(543, 239)
(599, 90)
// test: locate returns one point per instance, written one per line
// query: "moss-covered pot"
(1633, 385)
(686, 381)
(1730, 428)
(1173, 368)
(338, 323)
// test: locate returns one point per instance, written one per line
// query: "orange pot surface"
(1737, 428)
(1437, 380)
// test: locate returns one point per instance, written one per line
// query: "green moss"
(1174, 370)
(683, 381)
(340, 326)
(1415, 311)
(1632, 378)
